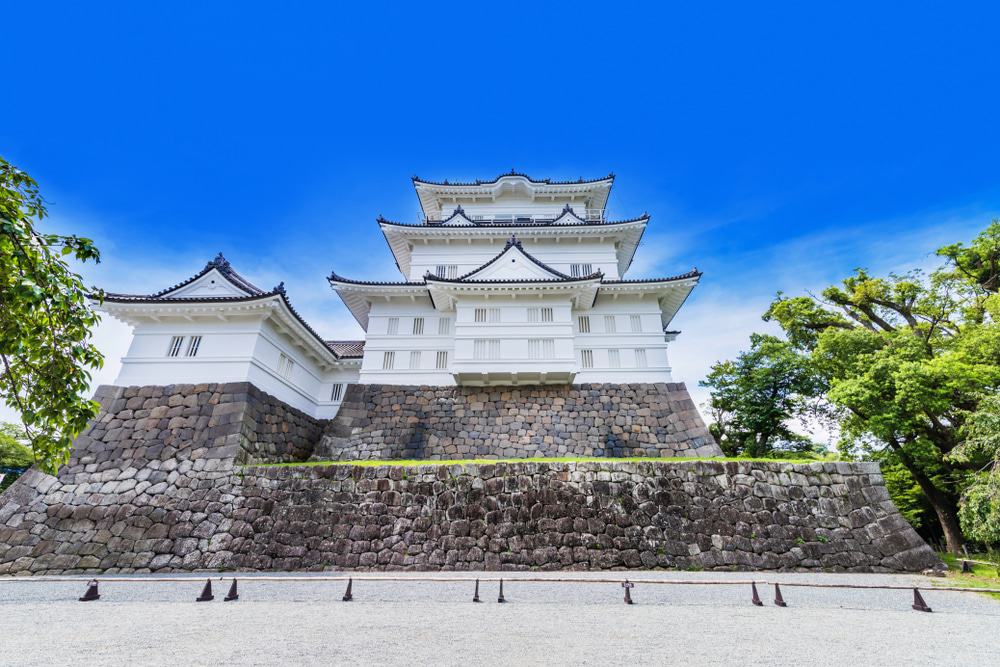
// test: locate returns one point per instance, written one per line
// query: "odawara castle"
(511, 407)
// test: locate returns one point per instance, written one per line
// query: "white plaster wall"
(509, 203)
(559, 255)
(600, 340)
(403, 343)
(237, 350)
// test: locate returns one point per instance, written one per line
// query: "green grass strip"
(566, 459)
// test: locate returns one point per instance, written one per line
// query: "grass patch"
(982, 576)
(566, 459)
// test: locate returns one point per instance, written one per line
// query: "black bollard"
(966, 567)
(206, 593)
(500, 599)
(918, 601)
(627, 585)
(756, 598)
(91, 593)
(347, 594)
(232, 594)
(475, 596)
(778, 600)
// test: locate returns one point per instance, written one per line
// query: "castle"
(513, 335)
(509, 282)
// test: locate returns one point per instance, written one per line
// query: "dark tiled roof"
(693, 273)
(347, 349)
(512, 172)
(500, 225)
(334, 278)
(228, 272)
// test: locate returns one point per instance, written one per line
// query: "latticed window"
(444, 326)
(193, 345)
(285, 366)
(610, 326)
(580, 270)
(442, 359)
(392, 327)
(587, 358)
(636, 321)
(418, 326)
(614, 359)
(414, 360)
(486, 348)
(388, 360)
(449, 271)
(541, 348)
(536, 315)
(640, 358)
(336, 392)
(175, 346)
(583, 323)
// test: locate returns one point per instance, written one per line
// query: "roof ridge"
(514, 172)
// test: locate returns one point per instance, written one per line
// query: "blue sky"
(777, 146)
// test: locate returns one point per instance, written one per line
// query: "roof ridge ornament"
(218, 262)
(512, 241)
(279, 288)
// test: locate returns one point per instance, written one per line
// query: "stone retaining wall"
(155, 485)
(616, 420)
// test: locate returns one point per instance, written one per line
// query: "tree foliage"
(907, 364)
(756, 395)
(45, 323)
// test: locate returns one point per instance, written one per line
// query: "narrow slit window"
(609, 324)
(414, 360)
(494, 315)
(587, 358)
(580, 270)
(442, 359)
(532, 315)
(486, 348)
(583, 323)
(541, 348)
(444, 326)
(392, 328)
(640, 358)
(388, 360)
(614, 359)
(285, 366)
(337, 392)
(449, 271)
(175, 346)
(636, 321)
(480, 315)
(193, 345)
(418, 326)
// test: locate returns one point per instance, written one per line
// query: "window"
(614, 359)
(336, 392)
(446, 270)
(587, 358)
(285, 366)
(583, 323)
(442, 359)
(636, 321)
(486, 348)
(388, 360)
(609, 324)
(640, 358)
(539, 314)
(491, 315)
(392, 328)
(541, 348)
(580, 270)
(414, 360)
(193, 345)
(175, 346)
(418, 326)
(444, 326)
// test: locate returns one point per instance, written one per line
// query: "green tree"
(45, 323)
(754, 397)
(13, 452)
(907, 359)
(980, 505)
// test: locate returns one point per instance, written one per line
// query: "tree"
(907, 359)
(13, 452)
(979, 511)
(45, 323)
(755, 396)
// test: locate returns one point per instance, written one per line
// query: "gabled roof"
(248, 293)
(513, 246)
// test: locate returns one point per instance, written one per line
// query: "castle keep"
(513, 334)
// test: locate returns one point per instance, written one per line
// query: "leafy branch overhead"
(46, 354)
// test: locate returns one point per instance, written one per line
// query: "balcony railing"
(589, 214)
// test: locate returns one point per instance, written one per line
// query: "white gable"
(513, 264)
(212, 283)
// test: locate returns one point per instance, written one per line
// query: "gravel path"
(435, 623)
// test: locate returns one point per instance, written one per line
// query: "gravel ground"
(435, 623)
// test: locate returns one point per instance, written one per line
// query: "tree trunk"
(944, 506)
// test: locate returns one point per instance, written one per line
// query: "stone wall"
(155, 484)
(616, 420)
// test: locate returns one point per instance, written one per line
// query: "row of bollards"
(92, 594)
